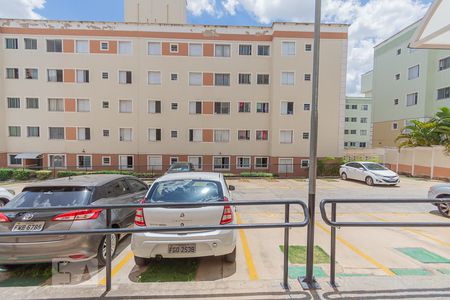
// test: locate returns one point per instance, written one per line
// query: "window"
(154, 134)
(82, 46)
(221, 162)
(308, 47)
(347, 119)
(287, 108)
(395, 101)
(125, 48)
(12, 73)
(354, 106)
(13, 102)
(363, 132)
(195, 78)
(221, 136)
(54, 75)
(105, 104)
(57, 161)
(11, 43)
(136, 186)
(347, 106)
(84, 134)
(288, 48)
(262, 135)
(262, 79)
(155, 163)
(245, 49)
(399, 51)
(287, 78)
(55, 104)
(82, 76)
(365, 107)
(286, 136)
(243, 162)
(444, 63)
(173, 48)
(305, 135)
(196, 161)
(345, 144)
(262, 107)
(126, 106)
(304, 163)
(222, 51)
(195, 50)
(32, 103)
(306, 106)
(443, 93)
(195, 135)
(285, 165)
(174, 106)
(307, 77)
(364, 120)
(222, 108)
(30, 44)
(245, 78)
(83, 105)
(31, 73)
(105, 75)
(106, 132)
(397, 76)
(244, 107)
(154, 48)
(195, 107)
(54, 45)
(243, 135)
(174, 134)
(154, 106)
(346, 131)
(413, 72)
(411, 99)
(106, 160)
(222, 79)
(84, 161)
(125, 77)
(104, 46)
(173, 160)
(126, 162)
(154, 77)
(125, 134)
(261, 162)
(13, 161)
(353, 131)
(263, 50)
(14, 131)
(56, 133)
(362, 145)
(174, 76)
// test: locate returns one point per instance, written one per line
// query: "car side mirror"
(231, 187)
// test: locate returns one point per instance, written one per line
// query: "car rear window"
(188, 190)
(180, 167)
(51, 196)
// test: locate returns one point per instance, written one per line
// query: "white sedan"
(441, 191)
(5, 196)
(189, 187)
(369, 172)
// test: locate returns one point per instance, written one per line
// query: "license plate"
(182, 248)
(28, 226)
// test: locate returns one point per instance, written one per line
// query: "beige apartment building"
(139, 95)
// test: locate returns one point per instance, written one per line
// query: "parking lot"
(360, 251)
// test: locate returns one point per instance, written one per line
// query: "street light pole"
(309, 282)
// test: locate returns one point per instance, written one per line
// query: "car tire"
(101, 254)
(231, 257)
(141, 261)
(344, 176)
(444, 208)
(3, 202)
(369, 181)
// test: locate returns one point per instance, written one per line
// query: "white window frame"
(57, 154)
(154, 43)
(223, 51)
(131, 48)
(149, 77)
(249, 162)
(101, 45)
(222, 129)
(132, 133)
(193, 135)
(174, 44)
(288, 82)
(262, 168)
(126, 167)
(14, 165)
(196, 44)
(88, 50)
(78, 135)
(289, 167)
(84, 168)
(196, 156)
(301, 164)
(292, 137)
(156, 167)
(288, 54)
(195, 73)
(221, 169)
(103, 161)
(83, 111)
(126, 112)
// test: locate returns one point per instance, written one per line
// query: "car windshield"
(374, 167)
(51, 196)
(187, 190)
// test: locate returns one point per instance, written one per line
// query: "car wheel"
(344, 176)
(369, 181)
(3, 202)
(141, 261)
(444, 208)
(101, 255)
(231, 257)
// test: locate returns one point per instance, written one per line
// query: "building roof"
(396, 35)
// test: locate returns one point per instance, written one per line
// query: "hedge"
(43, 174)
(23, 174)
(256, 174)
(6, 174)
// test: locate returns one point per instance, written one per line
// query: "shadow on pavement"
(443, 293)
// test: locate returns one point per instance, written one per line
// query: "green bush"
(6, 174)
(43, 174)
(329, 166)
(23, 174)
(64, 173)
(256, 174)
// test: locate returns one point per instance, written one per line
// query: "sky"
(372, 21)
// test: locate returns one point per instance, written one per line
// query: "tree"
(420, 134)
(442, 119)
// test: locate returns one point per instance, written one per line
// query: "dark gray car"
(73, 191)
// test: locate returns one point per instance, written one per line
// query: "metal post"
(333, 248)
(308, 282)
(286, 249)
(108, 251)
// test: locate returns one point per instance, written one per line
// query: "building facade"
(140, 96)
(408, 84)
(358, 122)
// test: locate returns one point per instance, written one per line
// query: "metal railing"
(108, 230)
(333, 223)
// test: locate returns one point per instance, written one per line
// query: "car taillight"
(78, 215)
(139, 217)
(227, 215)
(4, 219)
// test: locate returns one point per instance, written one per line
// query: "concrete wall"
(155, 11)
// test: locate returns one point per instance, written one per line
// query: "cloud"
(198, 7)
(372, 22)
(21, 9)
